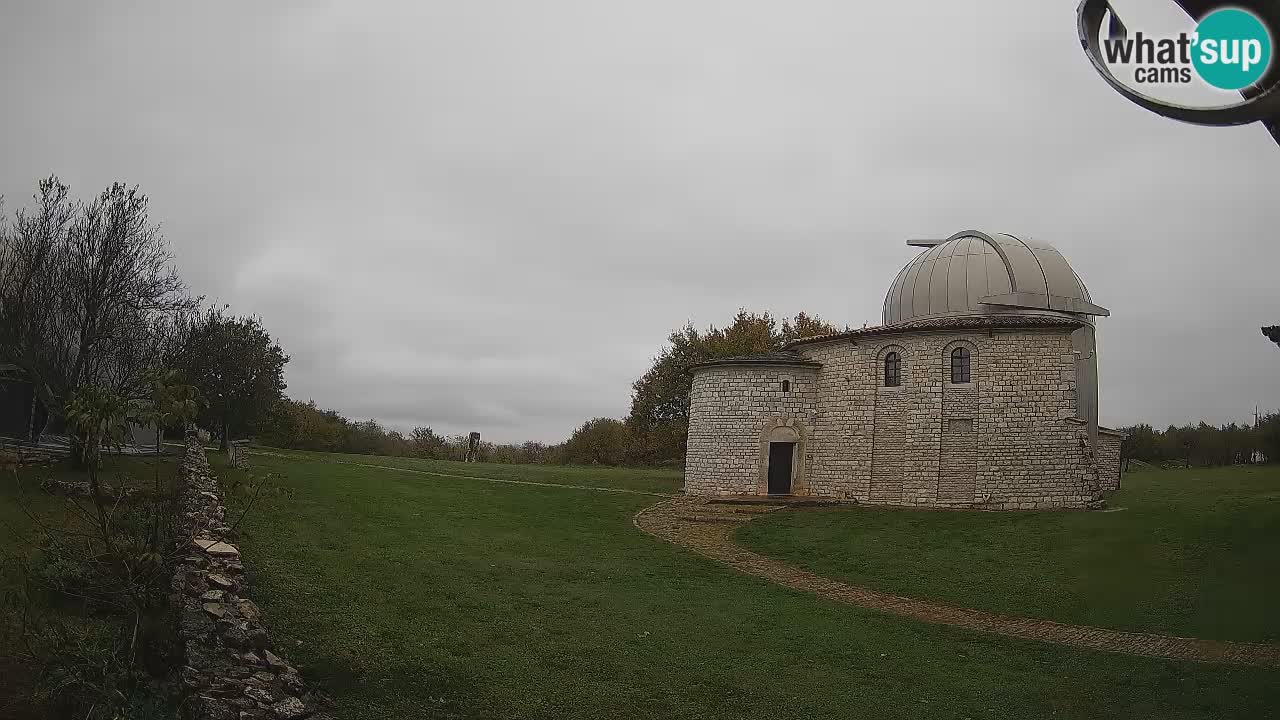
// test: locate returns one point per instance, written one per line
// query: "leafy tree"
(804, 326)
(98, 418)
(366, 437)
(1272, 333)
(660, 398)
(304, 426)
(602, 441)
(427, 444)
(1268, 436)
(237, 367)
(1140, 443)
(169, 404)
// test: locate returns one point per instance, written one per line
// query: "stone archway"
(784, 430)
(784, 433)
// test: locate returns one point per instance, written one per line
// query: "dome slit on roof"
(1083, 290)
(986, 272)
(1034, 256)
(939, 296)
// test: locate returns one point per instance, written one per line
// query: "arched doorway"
(782, 452)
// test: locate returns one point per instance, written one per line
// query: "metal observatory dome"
(976, 273)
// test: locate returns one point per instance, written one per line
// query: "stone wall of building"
(1009, 439)
(1109, 459)
(232, 671)
(731, 411)
(1032, 455)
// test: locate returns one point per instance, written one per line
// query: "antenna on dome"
(918, 242)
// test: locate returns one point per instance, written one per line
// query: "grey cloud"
(489, 215)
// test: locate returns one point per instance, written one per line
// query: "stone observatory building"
(979, 390)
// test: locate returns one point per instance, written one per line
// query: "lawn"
(410, 595)
(1192, 552)
(23, 503)
(638, 479)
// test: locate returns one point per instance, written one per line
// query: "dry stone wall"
(232, 670)
(1009, 439)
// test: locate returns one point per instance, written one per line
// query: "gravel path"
(707, 528)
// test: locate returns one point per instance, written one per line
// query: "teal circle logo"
(1232, 49)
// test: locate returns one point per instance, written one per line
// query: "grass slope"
(1194, 552)
(416, 596)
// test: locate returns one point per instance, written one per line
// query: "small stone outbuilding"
(979, 390)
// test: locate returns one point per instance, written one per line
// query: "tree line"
(90, 298)
(652, 434)
(305, 426)
(1205, 445)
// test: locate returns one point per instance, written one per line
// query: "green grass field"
(637, 479)
(23, 503)
(411, 595)
(1193, 552)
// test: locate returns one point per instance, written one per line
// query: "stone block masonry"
(1109, 459)
(732, 409)
(232, 670)
(1011, 438)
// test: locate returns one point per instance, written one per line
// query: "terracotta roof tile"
(964, 322)
(777, 357)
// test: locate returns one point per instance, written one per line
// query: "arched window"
(892, 370)
(786, 386)
(960, 365)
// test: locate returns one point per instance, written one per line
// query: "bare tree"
(87, 293)
(30, 255)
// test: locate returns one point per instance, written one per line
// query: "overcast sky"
(489, 215)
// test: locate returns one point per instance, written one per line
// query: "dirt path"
(707, 528)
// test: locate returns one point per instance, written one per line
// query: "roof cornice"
(946, 323)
